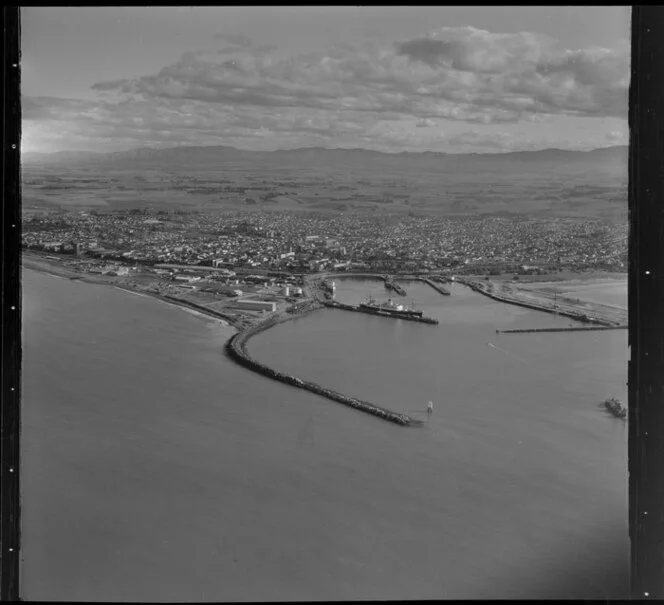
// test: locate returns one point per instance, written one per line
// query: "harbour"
(311, 467)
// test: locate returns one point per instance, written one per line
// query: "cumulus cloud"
(455, 73)
(461, 75)
(525, 73)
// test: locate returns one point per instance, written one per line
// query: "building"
(187, 278)
(256, 305)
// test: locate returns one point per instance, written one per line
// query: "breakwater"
(236, 350)
(573, 329)
(358, 309)
(578, 316)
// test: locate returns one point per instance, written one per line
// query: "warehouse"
(256, 305)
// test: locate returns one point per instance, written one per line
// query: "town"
(309, 243)
(244, 267)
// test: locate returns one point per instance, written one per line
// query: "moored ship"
(391, 308)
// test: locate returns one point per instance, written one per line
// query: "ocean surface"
(154, 468)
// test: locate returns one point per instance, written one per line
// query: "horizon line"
(403, 152)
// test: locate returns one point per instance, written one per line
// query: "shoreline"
(576, 314)
(235, 346)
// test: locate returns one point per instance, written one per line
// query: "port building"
(256, 305)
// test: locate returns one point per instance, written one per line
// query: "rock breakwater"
(236, 350)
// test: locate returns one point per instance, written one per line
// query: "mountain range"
(615, 157)
(550, 182)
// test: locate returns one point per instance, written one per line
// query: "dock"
(435, 286)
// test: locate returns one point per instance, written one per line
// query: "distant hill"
(549, 182)
(356, 158)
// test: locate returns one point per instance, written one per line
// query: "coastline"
(235, 346)
(578, 314)
(609, 316)
(246, 328)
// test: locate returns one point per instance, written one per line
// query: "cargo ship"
(391, 308)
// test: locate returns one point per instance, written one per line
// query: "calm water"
(155, 469)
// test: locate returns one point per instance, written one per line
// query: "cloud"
(258, 93)
(455, 73)
(475, 50)
(525, 73)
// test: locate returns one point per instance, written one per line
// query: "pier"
(435, 286)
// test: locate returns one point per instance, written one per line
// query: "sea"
(155, 469)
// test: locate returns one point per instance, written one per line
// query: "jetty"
(358, 309)
(570, 329)
(511, 299)
(236, 350)
(435, 286)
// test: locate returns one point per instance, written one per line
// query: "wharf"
(436, 286)
(358, 309)
(390, 284)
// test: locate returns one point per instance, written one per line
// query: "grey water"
(153, 468)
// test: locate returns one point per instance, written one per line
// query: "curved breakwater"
(528, 305)
(236, 350)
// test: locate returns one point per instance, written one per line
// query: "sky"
(392, 79)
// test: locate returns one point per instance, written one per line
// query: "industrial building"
(256, 305)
